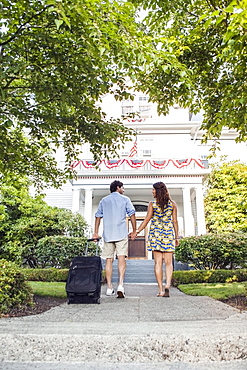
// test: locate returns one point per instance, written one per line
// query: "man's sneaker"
(120, 292)
(110, 292)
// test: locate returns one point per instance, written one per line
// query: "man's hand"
(133, 235)
(96, 237)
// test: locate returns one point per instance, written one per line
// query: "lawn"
(215, 290)
(51, 289)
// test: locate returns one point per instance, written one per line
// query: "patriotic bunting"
(90, 164)
(137, 163)
(113, 163)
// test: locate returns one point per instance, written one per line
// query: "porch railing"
(139, 165)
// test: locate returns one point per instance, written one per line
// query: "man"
(113, 209)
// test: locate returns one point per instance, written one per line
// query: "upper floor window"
(144, 107)
(146, 152)
(127, 107)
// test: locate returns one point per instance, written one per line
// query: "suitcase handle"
(93, 240)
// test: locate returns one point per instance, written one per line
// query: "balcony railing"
(140, 166)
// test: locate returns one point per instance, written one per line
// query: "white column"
(188, 217)
(201, 224)
(88, 205)
(76, 200)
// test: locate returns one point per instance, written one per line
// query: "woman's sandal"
(161, 294)
(167, 293)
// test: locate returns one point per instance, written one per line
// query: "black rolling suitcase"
(83, 284)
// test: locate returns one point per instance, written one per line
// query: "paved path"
(138, 332)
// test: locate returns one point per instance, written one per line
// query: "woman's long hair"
(162, 195)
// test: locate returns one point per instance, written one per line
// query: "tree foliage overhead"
(209, 38)
(57, 59)
(226, 198)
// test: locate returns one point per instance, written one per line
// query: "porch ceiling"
(135, 194)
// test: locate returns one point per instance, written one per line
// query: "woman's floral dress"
(161, 233)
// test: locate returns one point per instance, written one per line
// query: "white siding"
(61, 198)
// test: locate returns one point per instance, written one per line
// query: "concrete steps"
(141, 271)
(137, 271)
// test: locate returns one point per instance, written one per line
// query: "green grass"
(51, 289)
(215, 290)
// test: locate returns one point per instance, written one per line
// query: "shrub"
(214, 251)
(58, 251)
(208, 276)
(179, 277)
(51, 274)
(11, 251)
(14, 290)
(48, 274)
(25, 220)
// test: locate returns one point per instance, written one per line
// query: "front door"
(137, 247)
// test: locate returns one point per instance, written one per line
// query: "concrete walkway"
(141, 331)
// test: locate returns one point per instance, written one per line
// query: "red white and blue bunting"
(138, 163)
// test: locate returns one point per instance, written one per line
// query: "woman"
(163, 234)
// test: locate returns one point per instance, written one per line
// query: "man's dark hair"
(114, 185)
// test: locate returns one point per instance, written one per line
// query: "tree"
(57, 59)
(226, 198)
(208, 38)
(25, 220)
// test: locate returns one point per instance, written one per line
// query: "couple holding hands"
(162, 238)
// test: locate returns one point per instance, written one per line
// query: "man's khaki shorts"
(120, 247)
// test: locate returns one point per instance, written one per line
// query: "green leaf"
(58, 22)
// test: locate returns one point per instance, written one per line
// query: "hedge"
(49, 274)
(14, 290)
(208, 276)
(179, 277)
(214, 251)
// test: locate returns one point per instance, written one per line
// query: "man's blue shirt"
(114, 208)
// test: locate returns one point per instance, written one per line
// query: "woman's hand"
(133, 235)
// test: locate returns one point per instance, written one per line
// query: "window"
(124, 154)
(146, 146)
(146, 153)
(127, 107)
(144, 107)
(204, 159)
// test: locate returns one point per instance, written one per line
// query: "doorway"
(137, 247)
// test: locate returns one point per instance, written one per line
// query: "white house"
(167, 148)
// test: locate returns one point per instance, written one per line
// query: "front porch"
(184, 179)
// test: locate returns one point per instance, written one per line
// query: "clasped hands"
(133, 235)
